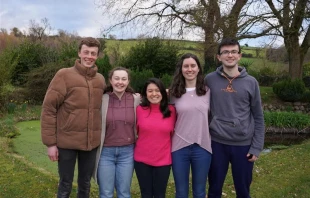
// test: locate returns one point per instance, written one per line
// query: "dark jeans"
(152, 179)
(66, 165)
(240, 166)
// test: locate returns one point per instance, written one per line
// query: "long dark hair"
(164, 109)
(111, 72)
(177, 88)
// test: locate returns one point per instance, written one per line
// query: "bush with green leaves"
(306, 74)
(306, 96)
(104, 65)
(8, 128)
(287, 120)
(166, 79)
(158, 56)
(39, 79)
(8, 63)
(246, 63)
(289, 90)
(30, 55)
(138, 79)
(67, 49)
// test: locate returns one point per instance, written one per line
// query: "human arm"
(259, 128)
(53, 100)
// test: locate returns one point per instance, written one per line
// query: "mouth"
(90, 61)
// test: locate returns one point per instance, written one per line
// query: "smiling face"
(153, 94)
(88, 55)
(228, 56)
(190, 69)
(119, 81)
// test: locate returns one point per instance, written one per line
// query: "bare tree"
(211, 20)
(293, 18)
(39, 30)
(3, 31)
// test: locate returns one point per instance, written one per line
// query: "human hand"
(251, 157)
(52, 153)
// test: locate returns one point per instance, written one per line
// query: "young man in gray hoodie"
(237, 122)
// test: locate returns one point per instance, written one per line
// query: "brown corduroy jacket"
(71, 111)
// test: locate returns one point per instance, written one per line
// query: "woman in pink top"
(155, 125)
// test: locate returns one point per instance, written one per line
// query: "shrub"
(267, 76)
(306, 70)
(306, 96)
(104, 65)
(39, 79)
(8, 63)
(153, 54)
(68, 49)
(5, 92)
(245, 55)
(306, 74)
(289, 90)
(8, 128)
(29, 55)
(166, 79)
(246, 63)
(138, 78)
(287, 120)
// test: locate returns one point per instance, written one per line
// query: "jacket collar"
(85, 71)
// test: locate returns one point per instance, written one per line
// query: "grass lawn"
(281, 173)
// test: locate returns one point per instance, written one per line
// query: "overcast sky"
(74, 16)
(79, 16)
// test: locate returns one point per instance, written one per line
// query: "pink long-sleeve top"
(153, 146)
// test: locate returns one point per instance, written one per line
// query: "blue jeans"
(199, 160)
(115, 169)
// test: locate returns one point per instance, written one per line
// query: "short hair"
(164, 109)
(90, 42)
(177, 88)
(111, 72)
(226, 42)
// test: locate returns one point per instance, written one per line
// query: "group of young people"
(198, 125)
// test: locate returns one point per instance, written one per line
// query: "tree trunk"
(210, 52)
(293, 51)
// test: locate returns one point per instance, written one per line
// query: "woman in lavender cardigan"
(191, 142)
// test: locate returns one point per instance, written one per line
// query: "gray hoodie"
(236, 110)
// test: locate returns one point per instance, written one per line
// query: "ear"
(219, 57)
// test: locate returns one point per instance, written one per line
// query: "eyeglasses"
(226, 52)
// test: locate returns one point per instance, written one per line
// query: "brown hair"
(111, 72)
(177, 88)
(90, 42)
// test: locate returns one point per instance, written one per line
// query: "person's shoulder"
(139, 108)
(251, 79)
(171, 107)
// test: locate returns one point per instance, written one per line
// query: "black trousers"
(66, 164)
(152, 179)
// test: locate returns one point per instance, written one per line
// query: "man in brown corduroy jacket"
(71, 118)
